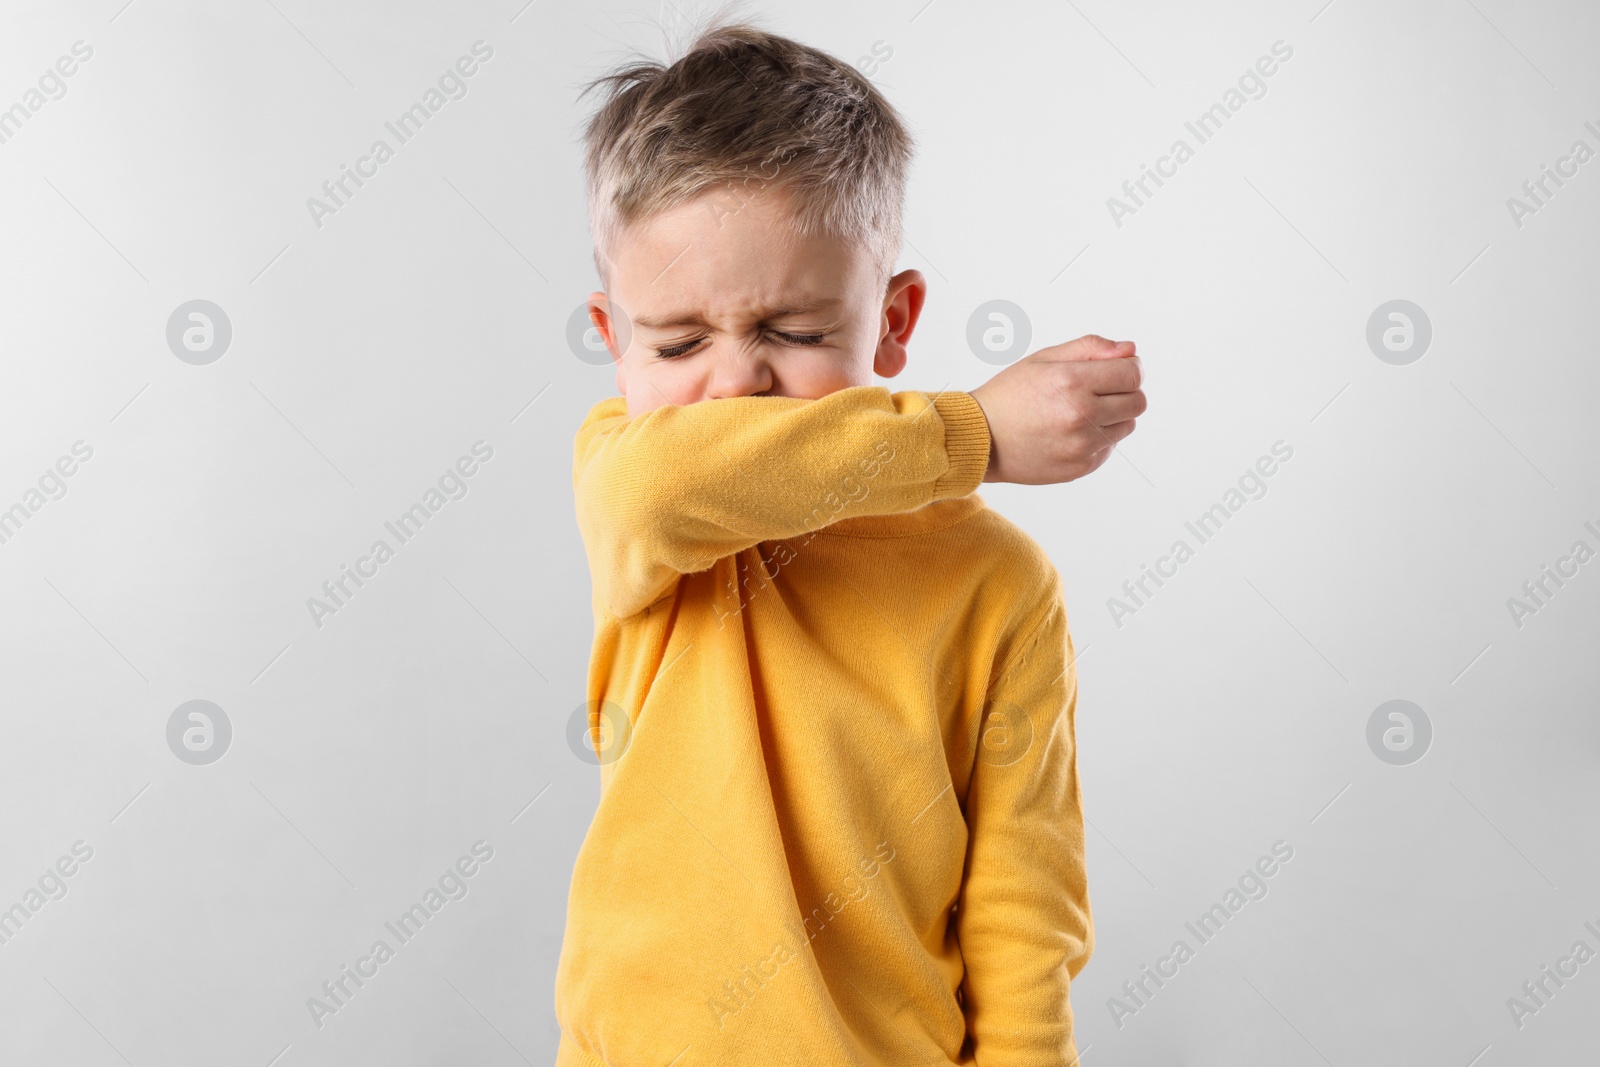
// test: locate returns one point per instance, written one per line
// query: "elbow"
(625, 604)
(628, 581)
(634, 533)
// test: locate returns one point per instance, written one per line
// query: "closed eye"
(799, 340)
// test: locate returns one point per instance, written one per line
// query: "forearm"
(677, 488)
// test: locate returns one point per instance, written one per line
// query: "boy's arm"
(678, 488)
(1024, 922)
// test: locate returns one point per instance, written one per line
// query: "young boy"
(831, 692)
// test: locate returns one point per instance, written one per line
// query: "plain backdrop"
(373, 347)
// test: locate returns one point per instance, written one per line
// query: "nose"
(739, 372)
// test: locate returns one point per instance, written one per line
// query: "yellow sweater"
(832, 704)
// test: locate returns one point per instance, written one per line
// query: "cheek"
(841, 367)
(834, 358)
(654, 385)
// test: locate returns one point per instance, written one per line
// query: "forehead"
(730, 255)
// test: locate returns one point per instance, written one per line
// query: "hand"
(1055, 414)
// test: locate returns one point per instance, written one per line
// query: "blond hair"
(746, 109)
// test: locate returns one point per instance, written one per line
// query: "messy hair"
(743, 110)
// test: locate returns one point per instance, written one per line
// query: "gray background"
(430, 312)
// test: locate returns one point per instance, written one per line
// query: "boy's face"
(742, 307)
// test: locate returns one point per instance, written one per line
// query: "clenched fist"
(1055, 414)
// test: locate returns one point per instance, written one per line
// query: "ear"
(600, 314)
(902, 305)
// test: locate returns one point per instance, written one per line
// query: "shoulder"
(1017, 584)
(1010, 557)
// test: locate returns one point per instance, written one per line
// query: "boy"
(831, 692)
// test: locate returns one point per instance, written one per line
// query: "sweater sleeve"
(675, 489)
(1023, 921)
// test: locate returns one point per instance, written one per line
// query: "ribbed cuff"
(966, 438)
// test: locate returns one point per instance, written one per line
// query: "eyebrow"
(692, 318)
